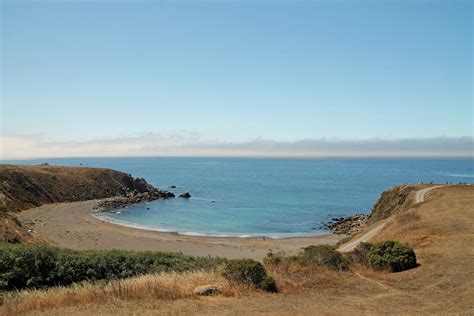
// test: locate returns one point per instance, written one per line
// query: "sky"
(236, 78)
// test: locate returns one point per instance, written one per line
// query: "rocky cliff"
(391, 202)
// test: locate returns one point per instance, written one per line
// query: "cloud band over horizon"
(30, 147)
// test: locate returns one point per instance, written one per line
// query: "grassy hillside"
(23, 187)
(26, 186)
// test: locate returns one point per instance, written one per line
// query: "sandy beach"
(71, 225)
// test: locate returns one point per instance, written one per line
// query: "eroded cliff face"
(391, 201)
(23, 187)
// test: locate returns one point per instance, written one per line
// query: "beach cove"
(71, 225)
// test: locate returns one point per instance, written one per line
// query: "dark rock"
(347, 225)
(172, 186)
(135, 196)
(185, 195)
(140, 185)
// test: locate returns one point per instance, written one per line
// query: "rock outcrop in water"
(133, 197)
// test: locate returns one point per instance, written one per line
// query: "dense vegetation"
(326, 256)
(392, 256)
(28, 266)
(388, 255)
(360, 254)
(248, 271)
(313, 256)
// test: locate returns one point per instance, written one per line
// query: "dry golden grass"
(292, 278)
(165, 286)
(148, 290)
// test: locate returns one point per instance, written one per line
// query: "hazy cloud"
(188, 144)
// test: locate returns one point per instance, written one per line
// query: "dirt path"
(365, 237)
(420, 195)
(419, 198)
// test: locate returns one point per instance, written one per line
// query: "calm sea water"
(266, 197)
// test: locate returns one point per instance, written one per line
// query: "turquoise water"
(267, 197)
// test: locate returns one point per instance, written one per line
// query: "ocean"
(266, 197)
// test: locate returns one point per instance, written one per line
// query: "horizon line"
(407, 156)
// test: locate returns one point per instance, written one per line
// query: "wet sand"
(71, 225)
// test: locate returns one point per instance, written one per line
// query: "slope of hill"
(391, 201)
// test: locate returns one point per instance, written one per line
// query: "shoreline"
(109, 220)
(73, 225)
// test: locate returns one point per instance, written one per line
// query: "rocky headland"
(26, 186)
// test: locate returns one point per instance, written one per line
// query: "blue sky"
(82, 72)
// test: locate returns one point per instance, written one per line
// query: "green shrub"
(392, 256)
(273, 258)
(361, 253)
(268, 284)
(326, 256)
(248, 271)
(30, 266)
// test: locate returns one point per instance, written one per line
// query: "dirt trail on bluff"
(378, 226)
(420, 195)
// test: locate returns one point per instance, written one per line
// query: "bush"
(361, 253)
(30, 266)
(248, 271)
(273, 258)
(268, 284)
(325, 255)
(392, 256)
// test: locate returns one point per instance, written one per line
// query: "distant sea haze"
(266, 197)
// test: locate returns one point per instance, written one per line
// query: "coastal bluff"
(391, 201)
(27, 186)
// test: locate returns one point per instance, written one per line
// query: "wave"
(203, 199)
(458, 175)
